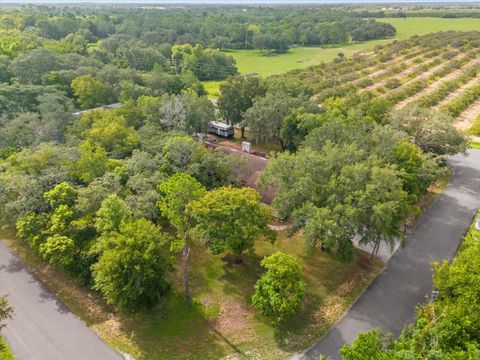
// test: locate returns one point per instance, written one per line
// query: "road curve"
(389, 302)
(43, 328)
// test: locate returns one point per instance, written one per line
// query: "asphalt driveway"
(390, 300)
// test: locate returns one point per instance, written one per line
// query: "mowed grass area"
(253, 61)
(222, 323)
(5, 353)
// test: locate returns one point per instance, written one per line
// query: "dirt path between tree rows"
(457, 92)
(466, 118)
(436, 84)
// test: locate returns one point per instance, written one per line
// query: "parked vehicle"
(221, 129)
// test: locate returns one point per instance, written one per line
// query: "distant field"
(297, 57)
(249, 61)
(425, 25)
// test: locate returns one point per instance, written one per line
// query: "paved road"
(43, 328)
(389, 301)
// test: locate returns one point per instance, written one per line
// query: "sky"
(230, 1)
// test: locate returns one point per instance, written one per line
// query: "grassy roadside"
(222, 323)
(5, 352)
(474, 145)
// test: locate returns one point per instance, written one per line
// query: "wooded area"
(125, 199)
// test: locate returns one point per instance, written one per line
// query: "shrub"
(30, 228)
(393, 83)
(59, 250)
(279, 292)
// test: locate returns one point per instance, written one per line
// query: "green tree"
(418, 169)
(265, 118)
(431, 131)
(93, 162)
(60, 220)
(61, 194)
(231, 219)
(279, 292)
(133, 264)
(176, 193)
(113, 211)
(275, 43)
(199, 112)
(336, 192)
(237, 95)
(296, 126)
(31, 66)
(90, 92)
(59, 250)
(368, 346)
(206, 64)
(30, 228)
(329, 229)
(109, 130)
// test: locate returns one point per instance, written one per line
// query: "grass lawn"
(222, 322)
(213, 88)
(474, 145)
(249, 61)
(5, 353)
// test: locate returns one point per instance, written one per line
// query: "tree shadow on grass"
(240, 278)
(173, 330)
(296, 332)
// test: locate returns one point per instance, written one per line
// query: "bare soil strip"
(457, 92)
(466, 118)
(433, 86)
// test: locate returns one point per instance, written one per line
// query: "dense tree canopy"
(237, 96)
